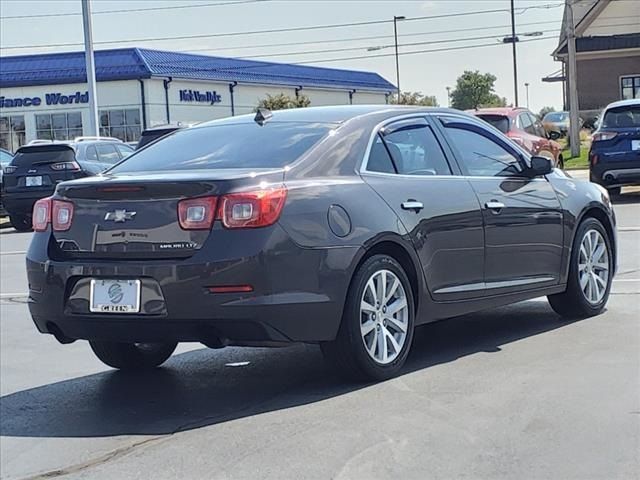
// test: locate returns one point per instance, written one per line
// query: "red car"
(524, 128)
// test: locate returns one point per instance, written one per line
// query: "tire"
(348, 352)
(132, 356)
(573, 302)
(554, 135)
(614, 191)
(560, 162)
(21, 223)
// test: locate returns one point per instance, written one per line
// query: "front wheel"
(590, 273)
(377, 324)
(132, 356)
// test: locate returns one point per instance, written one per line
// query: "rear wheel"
(22, 223)
(590, 273)
(377, 324)
(132, 356)
(614, 191)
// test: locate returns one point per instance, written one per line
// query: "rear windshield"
(243, 145)
(556, 117)
(621, 117)
(152, 136)
(499, 121)
(48, 154)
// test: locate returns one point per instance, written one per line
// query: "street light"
(395, 35)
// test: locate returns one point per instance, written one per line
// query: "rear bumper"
(298, 295)
(21, 203)
(616, 174)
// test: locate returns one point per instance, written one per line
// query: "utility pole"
(574, 133)
(513, 46)
(448, 96)
(526, 85)
(94, 124)
(395, 34)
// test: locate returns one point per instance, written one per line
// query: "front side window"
(12, 132)
(525, 123)
(630, 87)
(227, 145)
(107, 153)
(121, 123)
(480, 155)
(59, 126)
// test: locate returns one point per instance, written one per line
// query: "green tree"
(415, 98)
(283, 102)
(474, 90)
(544, 111)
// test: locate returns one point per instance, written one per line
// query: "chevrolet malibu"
(345, 227)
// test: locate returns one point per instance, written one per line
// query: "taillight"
(594, 159)
(254, 209)
(41, 214)
(62, 215)
(601, 136)
(9, 169)
(57, 212)
(72, 166)
(197, 213)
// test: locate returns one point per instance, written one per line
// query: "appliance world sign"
(49, 99)
(210, 97)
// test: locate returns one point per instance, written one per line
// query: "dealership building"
(46, 96)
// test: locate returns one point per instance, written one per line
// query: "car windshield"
(240, 145)
(499, 121)
(556, 117)
(622, 117)
(46, 154)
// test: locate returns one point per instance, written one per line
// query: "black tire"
(554, 135)
(21, 223)
(132, 356)
(614, 191)
(560, 162)
(572, 303)
(347, 353)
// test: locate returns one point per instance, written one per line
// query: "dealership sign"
(49, 99)
(209, 97)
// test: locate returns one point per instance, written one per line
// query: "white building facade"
(40, 100)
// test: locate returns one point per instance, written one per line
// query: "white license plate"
(33, 181)
(114, 296)
(635, 144)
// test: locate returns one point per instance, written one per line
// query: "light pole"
(526, 85)
(448, 96)
(395, 35)
(513, 45)
(94, 125)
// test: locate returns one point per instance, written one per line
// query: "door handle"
(412, 205)
(494, 205)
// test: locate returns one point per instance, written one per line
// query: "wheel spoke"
(596, 286)
(397, 324)
(600, 251)
(392, 291)
(382, 346)
(367, 307)
(583, 252)
(381, 287)
(371, 288)
(374, 341)
(392, 340)
(396, 306)
(584, 280)
(367, 326)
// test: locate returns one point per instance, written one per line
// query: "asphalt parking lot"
(508, 393)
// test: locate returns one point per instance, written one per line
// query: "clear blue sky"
(429, 73)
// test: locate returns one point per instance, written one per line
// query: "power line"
(174, 7)
(282, 30)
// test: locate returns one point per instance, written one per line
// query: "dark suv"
(37, 168)
(614, 157)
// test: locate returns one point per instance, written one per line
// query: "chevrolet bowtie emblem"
(119, 216)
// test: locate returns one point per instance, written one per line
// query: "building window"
(630, 87)
(59, 126)
(12, 132)
(122, 124)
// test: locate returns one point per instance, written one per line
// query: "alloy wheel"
(593, 266)
(384, 316)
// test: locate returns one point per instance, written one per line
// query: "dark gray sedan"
(342, 226)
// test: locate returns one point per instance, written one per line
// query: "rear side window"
(240, 145)
(416, 151)
(107, 153)
(151, 136)
(622, 117)
(498, 121)
(124, 150)
(46, 154)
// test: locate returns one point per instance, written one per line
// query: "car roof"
(504, 111)
(623, 103)
(329, 114)
(69, 143)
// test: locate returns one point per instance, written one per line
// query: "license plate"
(114, 296)
(635, 144)
(34, 181)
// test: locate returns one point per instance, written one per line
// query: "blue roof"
(134, 63)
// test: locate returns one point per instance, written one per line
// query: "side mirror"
(540, 166)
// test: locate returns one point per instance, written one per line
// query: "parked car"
(614, 156)
(154, 133)
(556, 124)
(341, 226)
(524, 128)
(5, 159)
(37, 168)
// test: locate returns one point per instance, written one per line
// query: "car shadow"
(206, 387)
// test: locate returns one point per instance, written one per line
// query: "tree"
(545, 110)
(283, 102)
(474, 90)
(415, 98)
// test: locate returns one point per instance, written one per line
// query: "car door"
(522, 215)
(410, 170)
